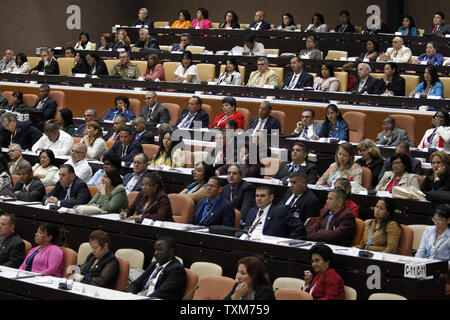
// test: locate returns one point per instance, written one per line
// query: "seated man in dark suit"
(45, 103)
(272, 220)
(114, 132)
(29, 188)
(143, 19)
(133, 181)
(265, 120)
(185, 41)
(402, 147)
(22, 133)
(146, 43)
(141, 134)
(165, 278)
(193, 114)
(69, 191)
(299, 156)
(302, 201)
(439, 26)
(12, 248)
(367, 83)
(259, 23)
(240, 192)
(298, 78)
(391, 135)
(306, 127)
(216, 209)
(336, 224)
(47, 64)
(89, 115)
(126, 148)
(154, 112)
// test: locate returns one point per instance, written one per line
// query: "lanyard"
(430, 138)
(370, 237)
(435, 246)
(31, 258)
(252, 296)
(222, 120)
(334, 177)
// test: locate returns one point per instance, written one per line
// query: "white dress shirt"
(60, 147)
(259, 222)
(309, 133)
(82, 170)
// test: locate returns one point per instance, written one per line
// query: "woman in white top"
(287, 22)
(187, 72)
(84, 43)
(328, 82)
(93, 140)
(318, 24)
(21, 65)
(439, 136)
(46, 169)
(231, 75)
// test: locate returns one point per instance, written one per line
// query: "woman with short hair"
(154, 70)
(399, 176)
(122, 104)
(370, 159)
(229, 113)
(46, 168)
(111, 195)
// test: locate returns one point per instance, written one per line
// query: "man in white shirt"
(79, 163)
(8, 60)
(54, 139)
(306, 127)
(253, 48)
(265, 121)
(398, 53)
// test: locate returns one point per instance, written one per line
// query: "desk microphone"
(190, 292)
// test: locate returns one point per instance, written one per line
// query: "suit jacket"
(407, 180)
(12, 253)
(244, 197)
(264, 25)
(200, 116)
(341, 231)
(310, 170)
(443, 30)
(3, 102)
(133, 149)
(316, 127)
(100, 69)
(150, 46)
(398, 135)
(147, 21)
(145, 137)
(26, 135)
(269, 77)
(306, 206)
(79, 194)
(35, 192)
(374, 166)
(109, 134)
(127, 178)
(222, 213)
(305, 80)
(51, 68)
(372, 86)
(170, 285)
(416, 167)
(176, 47)
(397, 86)
(329, 286)
(403, 55)
(22, 162)
(159, 115)
(49, 108)
(279, 222)
(79, 132)
(271, 124)
(262, 292)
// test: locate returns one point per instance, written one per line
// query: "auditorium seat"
(169, 69)
(135, 106)
(408, 123)
(215, 25)
(167, 48)
(411, 82)
(356, 125)
(237, 218)
(93, 190)
(206, 72)
(406, 241)
(299, 26)
(142, 65)
(213, 288)
(418, 230)
(15, 179)
(33, 61)
(134, 257)
(350, 293)
(191, 284)
(59, 97)
(281, 116)
(7, 95)
(124, 271)
(446, 84)
(336, 55)
(174, 111)
(244, 25)
(83, 251)
(292, 294)
(150, 150)
(246, 114)
(360, 226)
(182, 207)
(132, 196)
(65, 65)
(386, 296)
(271, 166)
(208, 109)
(358, 29)
(29, 99)
(280, 73)
(70, 259)
(160, 24)
(241, 71)
(271, 51)
(343, 80)
(110, 143)
(366, 178)
(287, 283)
(28, 246)
(188, 159)
(420, 31)
(110, 63)
(196, 49)
(204, 269)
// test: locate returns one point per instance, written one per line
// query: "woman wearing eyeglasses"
(399, 176)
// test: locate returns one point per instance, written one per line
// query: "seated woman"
(64, 118)
(231, 75)
(327, 284)
(197, 189)
(395, 85)
(344, 184)
(187, 71)
(431, 86)
(252, 281)
(97, 66)
(83, 42)
(399, 176)
(168, 153)
(430, 56)
(111, 196)
(109, 161)
(435, 243)
(121, 109)
(328, 82)
(343, 167)
(383, 232)
(334, 125)
(94, 141)
(372, 51)
(154, 70)
(17, 104)
(202, 21)
(408, 27)
(151, 203)
(81, 66)
(311, 51)
(6, 184)
(21, 66)
(106, 42)
(287, 22)
(438, 179)
(46, 169)
(229, 113)
(101, 267)
(231, 21)
(47, 257)
(349, 67)
(439, 136)
(184, 20)
(370, 158)
(318, 24)
(122, 40)
(250, 167)
(344, 23)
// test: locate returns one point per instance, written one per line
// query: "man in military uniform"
(124, 68)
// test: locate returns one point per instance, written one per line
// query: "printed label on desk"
(415, 271)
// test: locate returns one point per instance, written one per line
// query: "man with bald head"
(367, 84)
(398, 53)
(54, 139)
(114, 132)
(141, 134)
(154, 112)
(7, 61)
(79, 162)
(259, 23)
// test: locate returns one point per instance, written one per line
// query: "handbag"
(87, 209)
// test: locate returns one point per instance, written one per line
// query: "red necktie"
(24, 189)
(435, 29)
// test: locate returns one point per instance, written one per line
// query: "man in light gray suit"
(392, 136)
(154, 112)
(306, 127)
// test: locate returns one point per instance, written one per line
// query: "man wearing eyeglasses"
(15, 155)
(306, 127)
(89, 115)
(154, 112)
(133, 181)
(124, 68)
(263, 75)
(79, 162)
(54, 139)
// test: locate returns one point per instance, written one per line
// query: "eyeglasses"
(438, 220)
(397, 163)
(75, 151)
(260, 64)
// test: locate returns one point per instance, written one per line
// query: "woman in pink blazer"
(202, 21)
(154, 70)
(47, 257)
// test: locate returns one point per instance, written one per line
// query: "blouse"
(156, 73)
(436, 59)
(192, 70)
(98, 148)
(372, 56)
(429, 184)
(104, 273)
(24, 68)
(314, 54)
(159, 209)
(432, 248)
(221, 120)
(408, 31)
(205, 24)
(436, 89)
(49, 260)
(114, 112)
(329, 177)
(436, 138)
(5, 183)
(330, 84)
(113, 202)
(329, 286)
(89, 46)
(176, 161)
(194, 187)
(340, 132)
(379, 239)
(234, 78)
(49, 174)
(181, 24)
(321, 28)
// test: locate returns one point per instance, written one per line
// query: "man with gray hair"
(59, 141)
(15, 155)
(397, 53)
(124, 68)
(154, 112)
(79, 163)
(13, 131)
(264, 120)
(143, 19)
(89, 115)
(146, 43)
(7, 61)
(47, 64)
(367, 84)
(185, 41)
(263, 75)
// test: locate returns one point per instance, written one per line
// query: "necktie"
(305, 133)
(206, 211)
(152, 276)
(232, 194)
(67, 193)
(294, 168)
(395, 54)
(24, 189)
(292, 202)
(186, 120)
(39, 106)
(124, 151)
(293, 81)
(113, 137)
(435, 29)
(258, 217)
(329, 220)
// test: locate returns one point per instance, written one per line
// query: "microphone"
(190, 292)
(32, 276)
